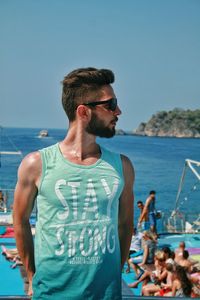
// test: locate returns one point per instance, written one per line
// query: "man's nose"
(117, 111)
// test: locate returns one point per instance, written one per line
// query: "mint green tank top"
(77, 251)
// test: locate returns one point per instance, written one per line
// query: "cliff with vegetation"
(174, 123)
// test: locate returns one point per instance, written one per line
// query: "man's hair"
(140, 202)
(166, 250)
(82, 85)
(152, 192)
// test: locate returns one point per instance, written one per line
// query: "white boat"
(43, 133)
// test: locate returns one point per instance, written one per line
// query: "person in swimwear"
(149, 209)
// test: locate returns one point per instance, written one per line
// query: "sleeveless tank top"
(77, 251)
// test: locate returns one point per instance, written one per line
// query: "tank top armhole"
(116, 157)
(42, 155)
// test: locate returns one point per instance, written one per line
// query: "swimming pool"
(11, 280)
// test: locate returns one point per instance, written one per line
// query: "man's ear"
(83, 112)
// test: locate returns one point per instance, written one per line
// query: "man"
(143, 223)
(185, 261)
(149, 208)
(84, 199)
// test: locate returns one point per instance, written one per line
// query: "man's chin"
(107, 134)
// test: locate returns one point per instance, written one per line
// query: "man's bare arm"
(126, 210)
(25, 193)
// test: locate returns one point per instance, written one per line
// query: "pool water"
(11, 280)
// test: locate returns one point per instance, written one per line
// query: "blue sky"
(153, 47)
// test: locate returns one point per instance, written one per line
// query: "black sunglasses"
(112, 103)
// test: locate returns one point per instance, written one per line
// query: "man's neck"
(80, 147)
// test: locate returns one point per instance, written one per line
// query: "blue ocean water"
(158, 163)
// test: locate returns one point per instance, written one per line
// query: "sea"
(158, 163)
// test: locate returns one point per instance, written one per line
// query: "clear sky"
(153, 47)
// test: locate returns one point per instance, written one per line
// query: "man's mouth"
(114, 122)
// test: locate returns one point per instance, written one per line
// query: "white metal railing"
(179, 222)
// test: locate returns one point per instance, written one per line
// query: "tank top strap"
(49, 157)
(114, 159)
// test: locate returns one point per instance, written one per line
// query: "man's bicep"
(127, 196)
(126, 208)
(24, 201)
(26, 188)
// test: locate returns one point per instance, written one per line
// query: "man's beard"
(98, 128)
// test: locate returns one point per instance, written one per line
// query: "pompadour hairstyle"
(82, 85)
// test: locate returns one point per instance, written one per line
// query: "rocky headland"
(174, 123)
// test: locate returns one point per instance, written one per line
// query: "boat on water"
(175, 226)
(43, 133)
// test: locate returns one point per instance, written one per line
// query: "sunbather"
(151, 271)
(149, 246)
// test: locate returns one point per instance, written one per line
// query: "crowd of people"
(162, 271)
(171, 273)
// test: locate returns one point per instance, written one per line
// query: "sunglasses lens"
(113, 104)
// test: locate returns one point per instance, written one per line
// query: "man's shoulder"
(31, 160)
(30, 167)
(125, 159)
(149, 199)
(127, 165)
